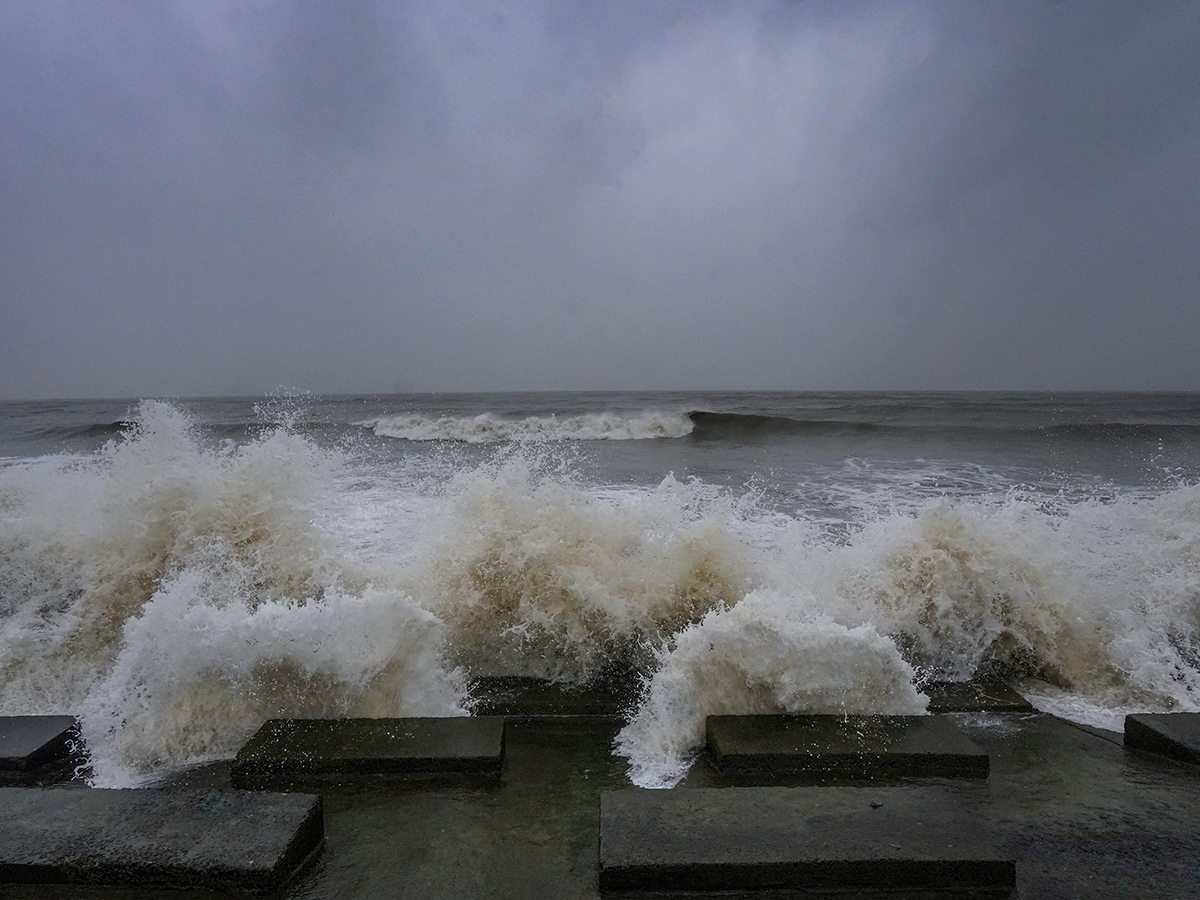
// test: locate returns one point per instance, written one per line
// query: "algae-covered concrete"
(1081, 816)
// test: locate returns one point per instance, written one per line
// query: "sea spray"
(1097, 598)
(374, 576)
(536, 575)
(140, 511)
(197, 674)
(770, 653)
(1097, 602)
(174, 594)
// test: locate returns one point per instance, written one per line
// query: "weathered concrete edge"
(975, 697)
(256, 769)
(963, 760)
(649, 846)
(57, 748)
(300, 852)
(303, 847)
(917, 765)
(813, 874)
(1141, 736)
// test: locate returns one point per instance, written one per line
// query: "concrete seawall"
(1061, 811)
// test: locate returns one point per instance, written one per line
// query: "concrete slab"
(974, 696)
(212, 840)
(28, 742)
(522, 697)
(731, 839)
(929, 746)
(1176, 735)
(286, 752)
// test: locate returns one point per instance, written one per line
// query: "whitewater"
(174, 573)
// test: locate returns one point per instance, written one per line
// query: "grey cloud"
(224, 197)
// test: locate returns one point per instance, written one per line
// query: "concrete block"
(1176, 735)
(286, 752)
(815, 838)
(29, 742)
(844, 745)
(214, 840)
(523, 697)
(974, 696)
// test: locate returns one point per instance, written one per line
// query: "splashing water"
(174, 592)
(174, 597)
(770, 653)
(534, 575)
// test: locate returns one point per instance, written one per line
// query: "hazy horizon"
(233, 199)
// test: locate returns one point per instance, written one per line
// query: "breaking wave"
(713, 425)
(487, 427)
(1099, 602)
(536, 575)
(175, 592)
(174, 597)
(767, 654)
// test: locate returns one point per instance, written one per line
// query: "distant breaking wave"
(605, 426)
(709, 425)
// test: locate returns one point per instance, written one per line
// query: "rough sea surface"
(176, 572)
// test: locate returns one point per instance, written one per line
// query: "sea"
(175, 572)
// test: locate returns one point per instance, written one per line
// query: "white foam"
(769, 653)
(538, 575)
(197, 673)
(1099, 601)
(159, 588)
(174, 593)
(487, 427)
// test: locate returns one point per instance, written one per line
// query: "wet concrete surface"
(247, 841)
(881, 836)
(974, 696)
(297, 753)
(33, 747)
(1176, 735)
(1082, 817)
(861, 746)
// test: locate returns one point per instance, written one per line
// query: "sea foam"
(175, 595)
(535, 574)
(1094, 606)
(770, 653)
(174, 592)
(487, 427)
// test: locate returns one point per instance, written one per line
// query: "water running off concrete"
(1079, 814)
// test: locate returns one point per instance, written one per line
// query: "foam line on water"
(488, 427)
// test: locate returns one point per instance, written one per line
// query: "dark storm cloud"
(216, 197)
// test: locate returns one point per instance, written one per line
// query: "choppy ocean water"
(177, 572)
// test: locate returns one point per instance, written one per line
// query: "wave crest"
(535, 575)
(197, 675)
(174, 595)
(770, 653)
(488, 427)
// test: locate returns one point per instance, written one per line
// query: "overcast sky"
(237, 196)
